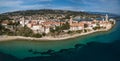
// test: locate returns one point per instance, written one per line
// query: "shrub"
(37, 35)
(43, 34)
(79, 31)
(69, 32)
(85, 30)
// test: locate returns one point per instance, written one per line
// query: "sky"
(111, 6)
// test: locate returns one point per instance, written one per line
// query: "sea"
(99, 46)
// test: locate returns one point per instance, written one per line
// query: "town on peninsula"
(51, 24)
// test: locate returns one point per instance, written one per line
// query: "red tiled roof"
(5, 22)
(77, 24)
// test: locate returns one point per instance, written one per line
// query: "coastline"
(48, 38)
(5, 38)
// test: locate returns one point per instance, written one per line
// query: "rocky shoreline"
(6, 38)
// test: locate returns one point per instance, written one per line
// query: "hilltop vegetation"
(43, 11)
(46, 12)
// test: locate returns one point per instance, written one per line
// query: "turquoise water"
(19, 48)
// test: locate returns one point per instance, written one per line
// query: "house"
(5, 22)
(76, 26)
(46, 29)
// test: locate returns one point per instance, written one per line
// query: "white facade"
(91, 28)
(76, 28)
(40, 29)
(37, 27)
(22, 23)
(40, 21)
(106, 17)
(47, 30)
(94, 25)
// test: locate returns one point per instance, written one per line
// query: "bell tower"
(106, 17)
(71, 20)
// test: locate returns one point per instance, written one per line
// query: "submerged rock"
(30, 50)
(79, 45)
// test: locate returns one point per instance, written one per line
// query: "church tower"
(106, 17)
(71, 20)
(23, 21)
(103, 19)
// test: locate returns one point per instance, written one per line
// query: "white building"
(76, 25)
(106, 18)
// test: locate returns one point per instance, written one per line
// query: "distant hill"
(104, 13)
(44, 11)
(51, 11)
(117, 18)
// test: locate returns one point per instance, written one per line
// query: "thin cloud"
(44, 0)
(10, 3)
(85, 5)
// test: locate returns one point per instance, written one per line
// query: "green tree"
(52, 30)
(85, 25)
(57, 28)
(85, 30)
(1, 29)
(69, 32)
(43, 34)
(79, 31)
(37, 35)
(65, 26)
(97, 27)
(4, 17)
(24, 31)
